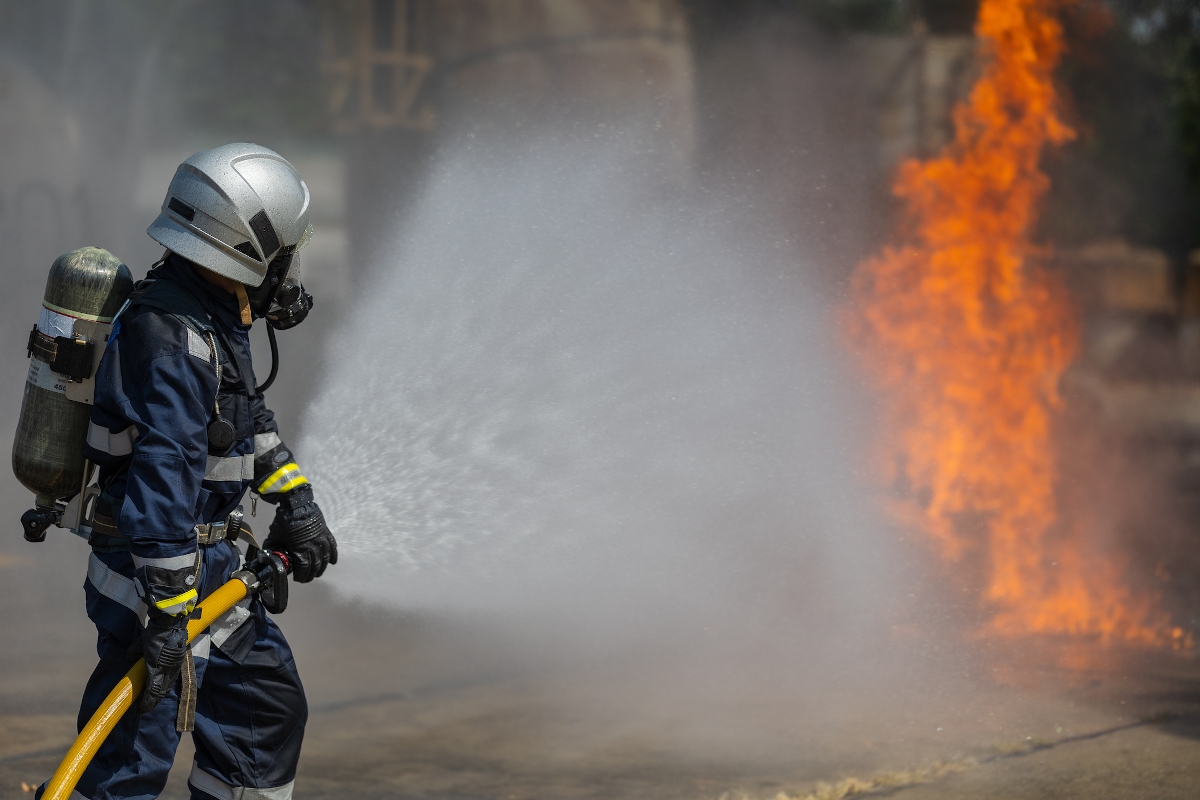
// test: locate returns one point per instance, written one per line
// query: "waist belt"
(208, 533)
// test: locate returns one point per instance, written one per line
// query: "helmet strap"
(244, 304)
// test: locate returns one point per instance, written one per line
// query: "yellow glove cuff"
(282, 480)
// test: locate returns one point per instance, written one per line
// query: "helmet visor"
(290, 287)
(291, 303)
(304, 238)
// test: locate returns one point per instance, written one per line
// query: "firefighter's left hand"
(299, 530)
(164, 646)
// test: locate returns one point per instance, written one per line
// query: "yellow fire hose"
(121, 698)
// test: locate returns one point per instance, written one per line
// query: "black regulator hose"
(274, 361)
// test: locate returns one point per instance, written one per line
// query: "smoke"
(568, 399)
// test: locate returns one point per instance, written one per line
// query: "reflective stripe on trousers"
(116, 587)
(221, 629)
(199, 779)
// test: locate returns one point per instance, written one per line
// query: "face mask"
(280, 299)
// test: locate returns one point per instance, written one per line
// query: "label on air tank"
(50, 323)
(42, 376)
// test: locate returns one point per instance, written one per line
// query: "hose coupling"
(35, 521)
(267, 576)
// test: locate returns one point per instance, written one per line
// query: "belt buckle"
(210, 532)
(228, 528)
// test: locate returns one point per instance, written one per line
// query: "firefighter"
(180, 432)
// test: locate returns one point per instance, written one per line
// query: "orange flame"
(968, 336)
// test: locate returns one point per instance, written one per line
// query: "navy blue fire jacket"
(177, 355)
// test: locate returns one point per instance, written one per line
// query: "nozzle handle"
(271, 570)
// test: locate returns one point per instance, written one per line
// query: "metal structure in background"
(380, 56)
(375, 57)
(497, 69)
(925, 76)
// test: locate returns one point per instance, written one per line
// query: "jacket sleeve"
(275, 469)
(169, 383)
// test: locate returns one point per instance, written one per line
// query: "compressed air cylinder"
(85, 290)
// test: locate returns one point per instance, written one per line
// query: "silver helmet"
(233, 209)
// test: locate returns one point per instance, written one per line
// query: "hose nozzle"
(267, 575)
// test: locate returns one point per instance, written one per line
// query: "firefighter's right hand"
(299, 530)
(164, 646)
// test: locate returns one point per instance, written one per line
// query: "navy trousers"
(250, 710)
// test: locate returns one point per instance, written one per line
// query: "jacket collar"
(219, 303)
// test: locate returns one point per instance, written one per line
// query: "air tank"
(85, 290)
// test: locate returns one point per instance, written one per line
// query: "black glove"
(164, 646)
(299, 530)
(170, 596)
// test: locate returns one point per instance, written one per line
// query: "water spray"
(587, 406)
